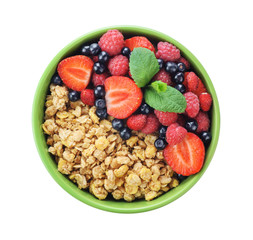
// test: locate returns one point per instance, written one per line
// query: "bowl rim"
(72, 189)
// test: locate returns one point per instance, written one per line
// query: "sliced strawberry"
(138, 41)
(75, 71)
(186, 157)
(122, 96)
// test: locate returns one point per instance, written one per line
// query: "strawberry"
(75, 71)
(138, 41)
(88, 97)
(137, 122)
(186, 157)
(122, 96)
(201, 88)
(205, 100)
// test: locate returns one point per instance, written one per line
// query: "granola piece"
(107, 126)
(99, 192)
(64, 166)
(49, 126)
(131, 189)
(114, 164)
(128, 197)
(150, 151)
(112, 138)
(133, 180)
(159, 155)
(100, 155)
(150, 195)
(101, 143)
(132, 141)
(117, 194)
(67, 155)
(174, 183)
(145, 174)
(155, 185)
(50, 111)
(89, 151)
(123, 160)
(150, 139)
(98, 172)
(137, 167)
(139, 153)
(121, 171)
(93, 116)
(142, 144)
(165, 180)
(80, 180)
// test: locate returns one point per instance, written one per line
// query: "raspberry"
(137, 122)
(167, 52)
(175, 134)
(185, 62)
(166, 118)
(163, 76)
(203, 122)
(88, 97)
(205, 101)
(112, 42)
(192, 107)
(192, 81)
(118, 65)
(99, 79)
(151, 125)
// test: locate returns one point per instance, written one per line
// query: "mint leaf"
(159, 86)
(170, 100)
(143, 66)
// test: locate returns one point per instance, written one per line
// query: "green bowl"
(85, 196)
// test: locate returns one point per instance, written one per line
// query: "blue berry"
(125, 133)
(160, 143)
(145, 108)
(100, 103)
(161, 63)
(99, 68)
(126, 51)
(103, 57)
(191, 125)
(171, 67)
(181, 178)
(56, 80)
(74, 96)
(99, 91)
(101, 113)
(181, 67)
(117, 124)
(95, 49)
(178, 78)
(162, 132)
(206, 137)
(85, 50)
(180, 87)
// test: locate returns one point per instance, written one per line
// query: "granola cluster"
(93, 155)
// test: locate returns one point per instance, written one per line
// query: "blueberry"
(180, 177)
(180, 87)
(206, 137)
(95, 49)
(101, 113)
(99, 91)
(191, 125)
(160, 143)
(56, 79)
(178, 78)
(126, 51)
(171, 67)
(125, 133)
(117, 124)
(85, 50)
(162, 132)
(74, 96)
(144, 108)
(161, 63)
(98, 67)
(181, 67)
(100, 103)
(103, 57)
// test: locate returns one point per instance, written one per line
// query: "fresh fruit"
(161, 63)
(101, 113)
(192, 81)
(152, 124)
(166, 118)
(160, 143)
(100, 103)
(175, 134)
(95, 49)
(74, 96)
(180, 87)
(167, 52)
(125, 51)
(99, 68)
(99, 91)
(138, 41)
(85, 50)
(118, 65)
(186, 157)
(178, 78)
(117, 124)
(163, 76)
(192, 107)
(145, 108)
(205, 100)
(137, 122)
(125, 133)
(103, 57)
(123, 97)
(206, 138)
(99, 79)
(185, 62)
(88, 97)
(181, 67)
(171, 67)
(112, 42)
(203, 122)
(181, 178)
(75, 71)
(56, 79)
(162, 132)
(191, 125)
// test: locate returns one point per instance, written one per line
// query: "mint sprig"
(143, 66)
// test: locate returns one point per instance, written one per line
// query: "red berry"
(151, 125)
(192, 107)
(167, 52)
(175, 134)
(186, 157)
(185, 62)
(75, 71)
(118, 65)
(203, 122)
(137, 122)
(112, 42)
(205, 100)
(88, 97)
(138, 41)
(163, 76)
(201, 88)
(99, 79)
(122, 96)
(166, 118)
(192, 81)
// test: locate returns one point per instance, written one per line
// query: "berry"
(161, 63)
(75, 71)
(144, 108)
(100, 103)
(185, 62)
(101, 113)
(125, 133)
(99, 91)
(175, 134)
(99, 79)
(205, 101)
(200, 89)
(181, 67)
(117, 124)
(180, 87)
(123, 97)
(192, 107)
(95, 49)
(118, 65)
(206, 138)
(166, 118)
(74, 96)
(178, 78)
(171, 67)
(103, 57)
(56, 79)
(191, 125)
(87, 97)
(125, 51)
(85, 50)
(203, 122)
(112, 42)
(187, 157)
(192, 81)
(160, 143)
(138, 41)
(163, 76)
(99, 68)
(152, 124)
(181, 178)
(167, 52)
(137, 122)
(162, 132)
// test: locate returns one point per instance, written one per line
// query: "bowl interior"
(85, 196)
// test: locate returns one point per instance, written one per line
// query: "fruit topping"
(166, 118)
(167, 52)
(136, 42)
(152, 124)
(192, 107)
(87, 97)
(137, 122)
(118, 65)
(175, 134)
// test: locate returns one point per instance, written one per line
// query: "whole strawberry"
(137, 122)
(205, 100)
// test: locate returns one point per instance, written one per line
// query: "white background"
(218, 33)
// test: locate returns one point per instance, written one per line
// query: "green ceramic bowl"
(85, 196)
